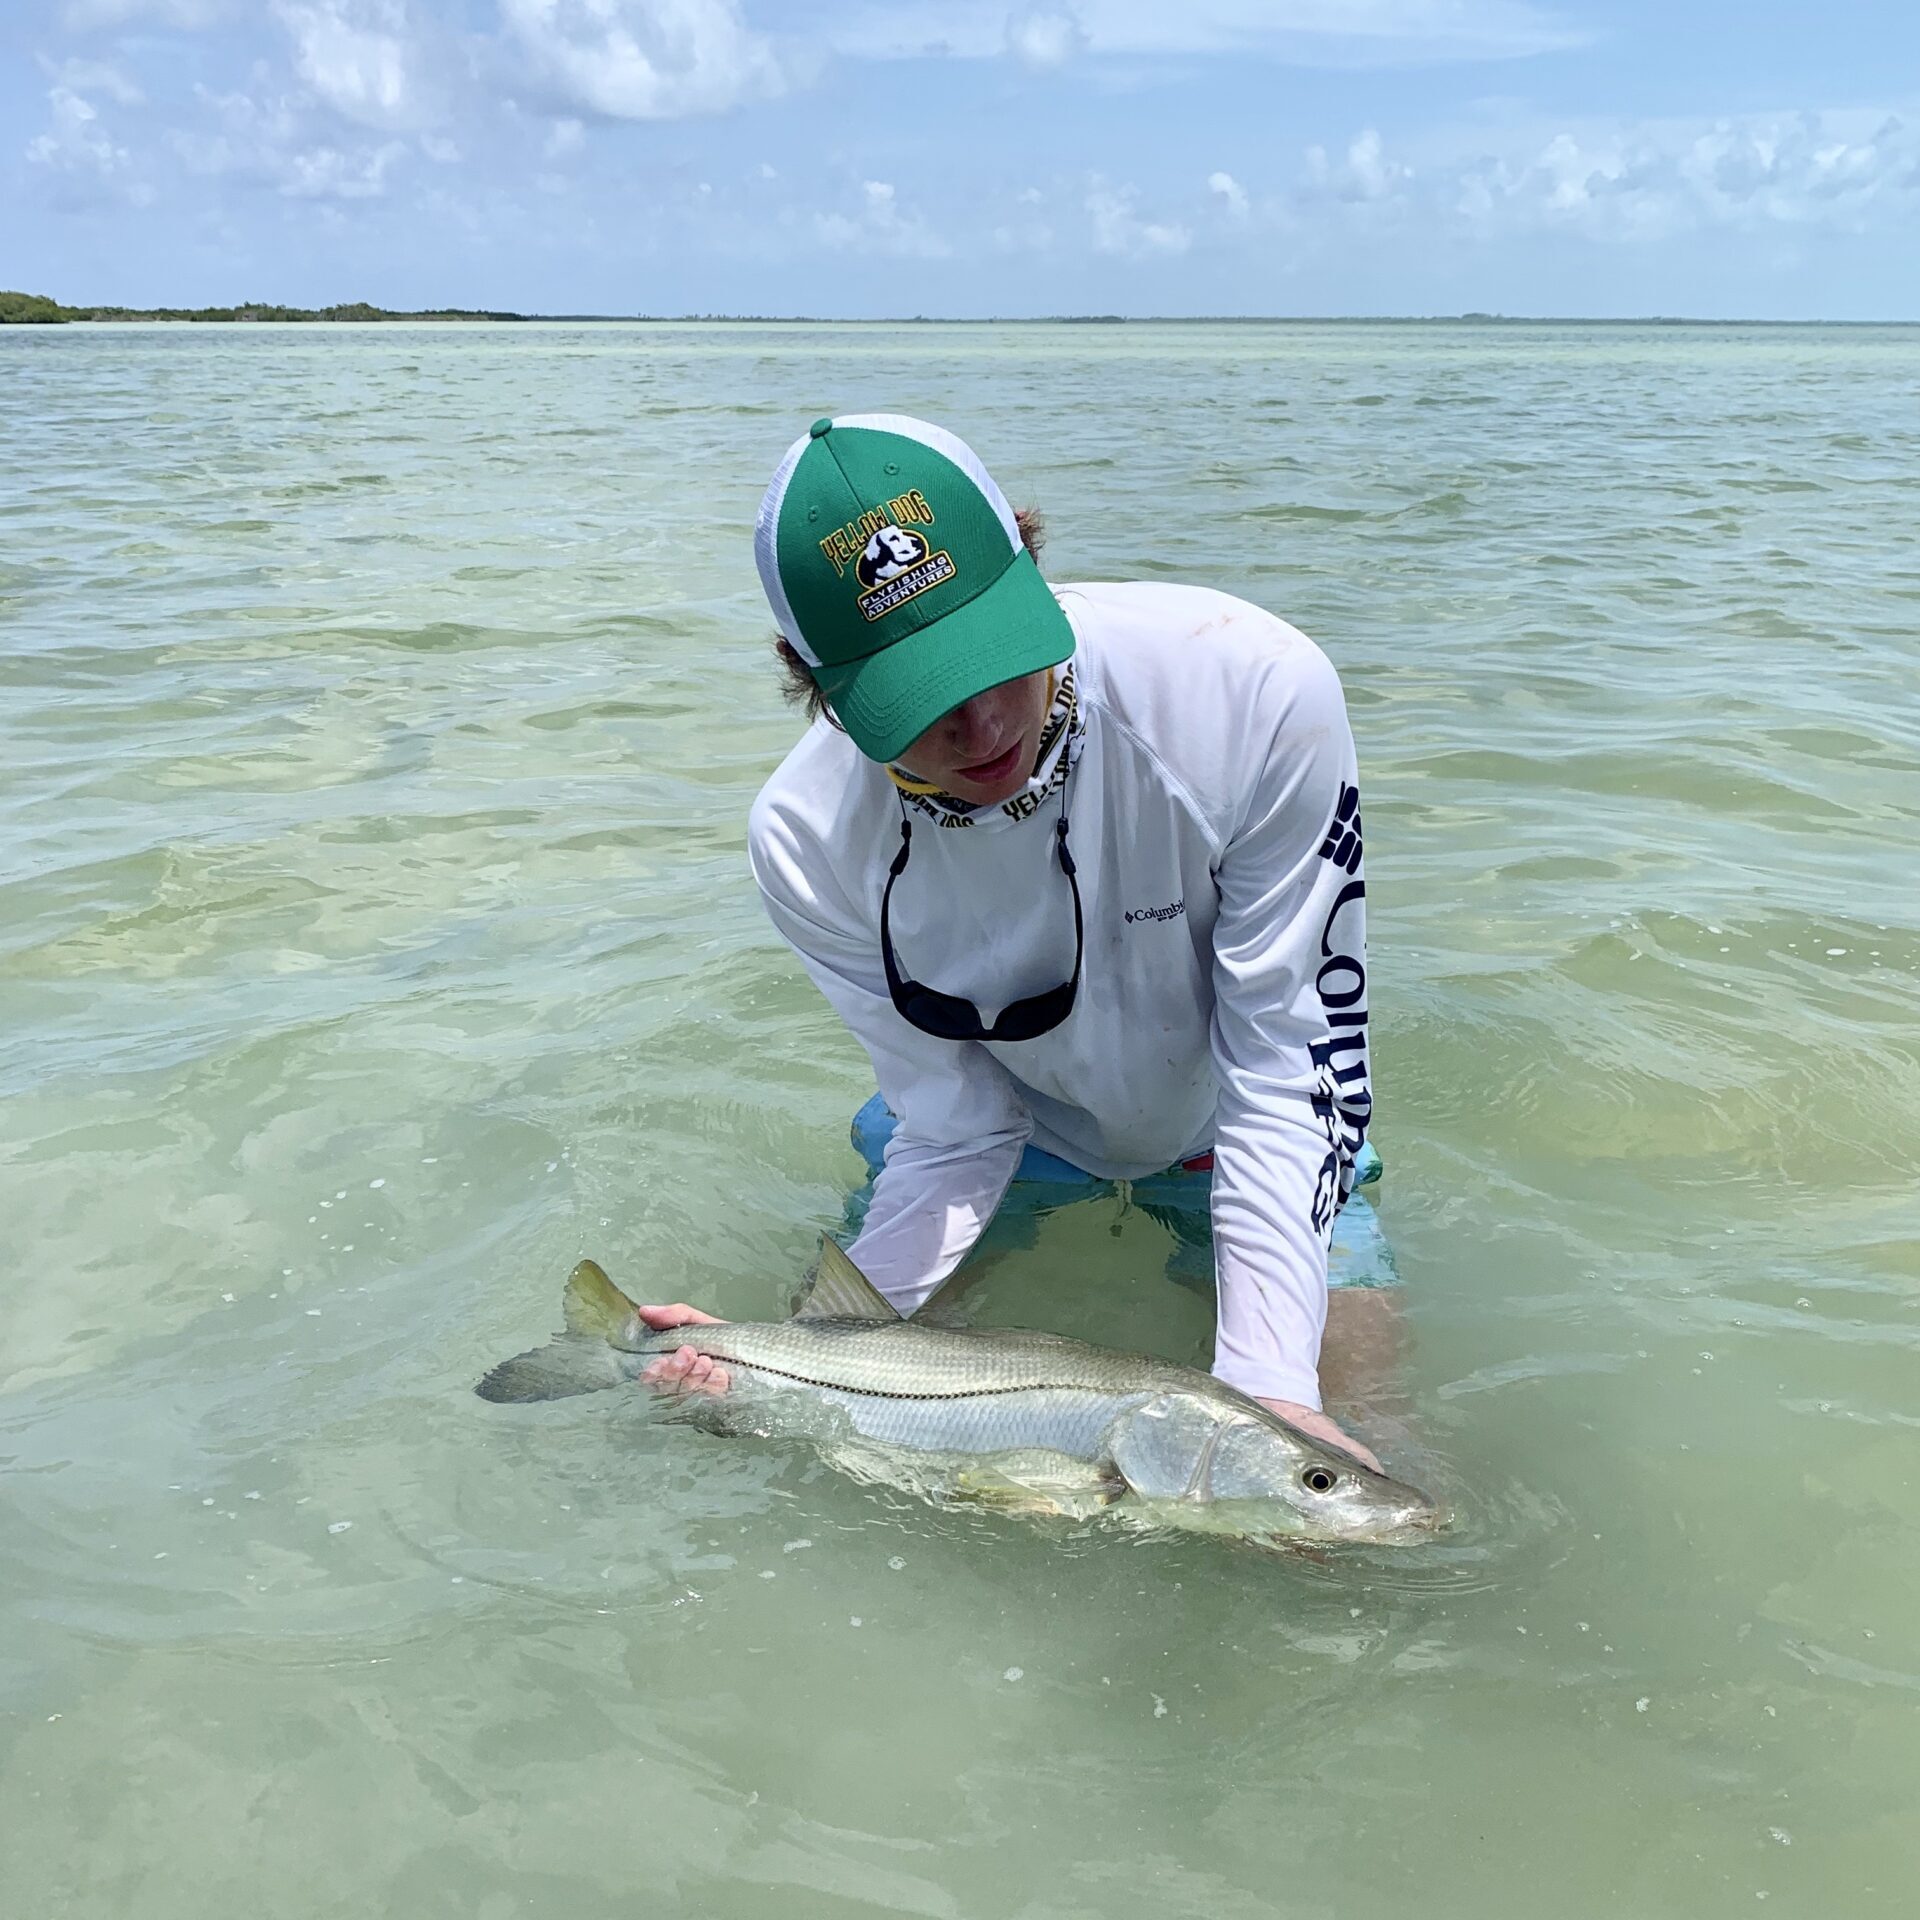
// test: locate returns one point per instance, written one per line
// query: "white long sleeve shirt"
(1214, 818)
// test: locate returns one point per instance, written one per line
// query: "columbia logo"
(1342, 845)
(1172, 912)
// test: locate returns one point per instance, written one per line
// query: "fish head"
(1216, 1462)
(1276, 1484)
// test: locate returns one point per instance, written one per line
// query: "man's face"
(983, 751)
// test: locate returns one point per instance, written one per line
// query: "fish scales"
(937, 1391)
(903, 1358)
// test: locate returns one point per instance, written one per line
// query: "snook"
(1024, 1420)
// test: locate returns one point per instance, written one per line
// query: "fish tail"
(566, 1365)
(590, 1355)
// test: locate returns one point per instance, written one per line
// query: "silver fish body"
(1025, 1420)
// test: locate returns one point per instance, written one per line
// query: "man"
(1078, 867)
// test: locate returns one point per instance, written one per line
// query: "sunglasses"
(948, 1016)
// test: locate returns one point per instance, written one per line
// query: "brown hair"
(803, 690)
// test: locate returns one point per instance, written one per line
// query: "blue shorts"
(1178, 1198)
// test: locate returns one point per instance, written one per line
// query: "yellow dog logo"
(888, 555)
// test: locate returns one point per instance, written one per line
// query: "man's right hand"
(683, 1370)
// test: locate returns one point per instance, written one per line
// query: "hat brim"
(889, 699)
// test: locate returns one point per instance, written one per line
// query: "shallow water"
(379, 710)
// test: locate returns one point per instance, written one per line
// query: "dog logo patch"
(888, 555)
(896, 564)
(890, 561)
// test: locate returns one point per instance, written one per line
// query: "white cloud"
(1028, 230)
(242, 132)
(80, 16)
(79, 151)
(1659, 180)
(359, 57)
(1372, 174)
(645, 59)
(276, 142)
(1045, 36)
(1231, 191)
(881, 226)
(1118, 229)
(1366, 174)
(95, 76)
(568, 136)
(328, 173)
(1337, 32)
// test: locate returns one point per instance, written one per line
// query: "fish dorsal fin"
(595, 1308)
(841, 1291)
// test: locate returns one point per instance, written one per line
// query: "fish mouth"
(1410, 1528)
(1402, 1533)
(1280, 1526)
(1412, 1525)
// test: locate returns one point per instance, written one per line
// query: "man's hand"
(1307, 1419)
(683, 1370)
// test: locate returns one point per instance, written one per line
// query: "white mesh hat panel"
(765, 548)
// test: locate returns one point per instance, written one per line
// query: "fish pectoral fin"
(732, 1415)
(1002, 1496)
(1050, 1496)
(840, 1291)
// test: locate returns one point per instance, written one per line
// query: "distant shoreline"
(23, 309)
(36, 310)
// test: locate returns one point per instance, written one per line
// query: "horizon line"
(109, 313)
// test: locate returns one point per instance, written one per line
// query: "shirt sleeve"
(1289, 1030)
(962, 1124)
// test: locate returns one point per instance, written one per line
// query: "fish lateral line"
(892, 1393)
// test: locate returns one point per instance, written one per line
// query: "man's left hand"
(1311, 1420)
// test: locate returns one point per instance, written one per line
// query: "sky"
(977, 158)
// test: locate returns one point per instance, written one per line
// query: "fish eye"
(1319, 1479)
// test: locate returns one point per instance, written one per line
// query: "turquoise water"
(379, 710)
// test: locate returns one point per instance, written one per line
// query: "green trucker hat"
(893, 564)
